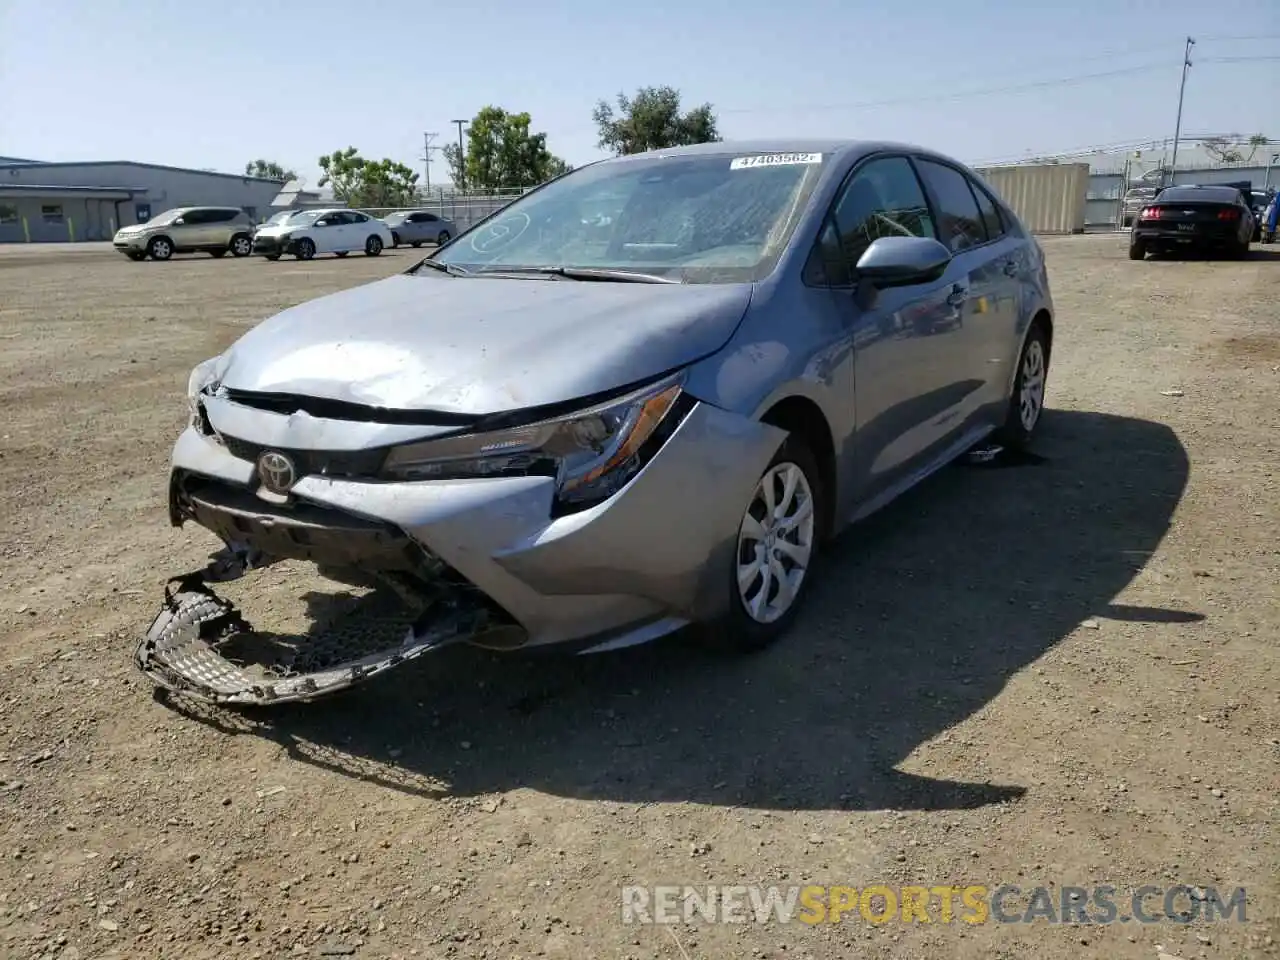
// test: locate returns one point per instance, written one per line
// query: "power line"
(427, 150)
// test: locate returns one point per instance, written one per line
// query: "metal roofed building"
(61, 202)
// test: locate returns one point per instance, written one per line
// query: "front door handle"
(957, 296)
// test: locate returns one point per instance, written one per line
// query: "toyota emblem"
(276, 472)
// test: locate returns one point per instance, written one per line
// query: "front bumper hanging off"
(200, 644)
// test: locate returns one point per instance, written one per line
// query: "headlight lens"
(592, 453)
(204, 375)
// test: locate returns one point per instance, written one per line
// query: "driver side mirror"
(322, 223)
(901, 261)
(180, 221)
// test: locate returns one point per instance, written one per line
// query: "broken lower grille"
(395, 602)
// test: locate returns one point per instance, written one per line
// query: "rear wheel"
(241, 245)
(136, 256)
(1026, 402)
(273, 256)
(777, 543)
(341, 253)
(373, 246)
(217, 254)
(443, 238)
(1137, 250)
(417, 244)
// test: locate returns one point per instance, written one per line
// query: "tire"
(272, 256)
(395, 240)
(373, 246)
(740, 630)
(241, 245)
(1137, 250)
(217, 254)
(416, 244)
(135, 257)
(160, 248)
(1020, 426)
(341, 253)
(443, 238)
(306, 249)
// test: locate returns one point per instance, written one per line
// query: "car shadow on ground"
(920, 617)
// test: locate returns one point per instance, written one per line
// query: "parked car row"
(300, 233)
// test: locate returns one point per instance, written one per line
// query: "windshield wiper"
(600, 274)
(449, 268)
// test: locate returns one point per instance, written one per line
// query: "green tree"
(502, 152)
(368, 183)
(268, 170)
(652, 120)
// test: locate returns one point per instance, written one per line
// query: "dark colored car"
(1211, 219)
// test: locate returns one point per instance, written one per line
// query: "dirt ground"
(1063, 673)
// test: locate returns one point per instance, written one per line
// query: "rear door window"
(959, 220)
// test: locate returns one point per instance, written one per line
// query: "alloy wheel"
(775, 543)
(1031, 396)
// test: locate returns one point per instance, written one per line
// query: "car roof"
(842, 147)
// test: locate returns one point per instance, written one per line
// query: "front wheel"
(160, 248)
(306, 248)
(443, 238)
(373, 246)
(395, 241)
(777, 544)
(1026, 402)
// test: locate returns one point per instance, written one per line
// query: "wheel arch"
(803, 417)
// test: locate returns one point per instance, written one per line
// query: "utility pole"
(1177, 127)
(427, 148)
(462, 156)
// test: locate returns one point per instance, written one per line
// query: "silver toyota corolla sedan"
(563, 428)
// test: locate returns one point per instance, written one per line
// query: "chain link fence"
(463, 208)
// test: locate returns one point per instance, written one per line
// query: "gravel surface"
(1056, 673)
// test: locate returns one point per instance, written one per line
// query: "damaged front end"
(399, 601)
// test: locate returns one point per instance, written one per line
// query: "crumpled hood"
(481, 346)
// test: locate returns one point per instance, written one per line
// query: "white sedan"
(334, 231)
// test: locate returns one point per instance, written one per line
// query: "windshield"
(700, 219)
(394, 217)
(161, 219)
(307, 217)
(279, 218)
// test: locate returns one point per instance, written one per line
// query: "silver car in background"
(416, 227)
(563, 431)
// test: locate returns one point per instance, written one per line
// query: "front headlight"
(205, 374)
(592, 453)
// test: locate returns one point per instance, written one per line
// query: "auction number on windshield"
(773, 160)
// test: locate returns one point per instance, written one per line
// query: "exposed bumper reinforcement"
(197, 646)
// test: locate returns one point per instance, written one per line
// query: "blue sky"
(218, 84)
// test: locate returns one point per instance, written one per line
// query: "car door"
(327, 233)
(360, 227)
(989, 262)
(189, 228)
(908, 381)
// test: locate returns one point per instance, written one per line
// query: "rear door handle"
(957, 296)
(1010, 267)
